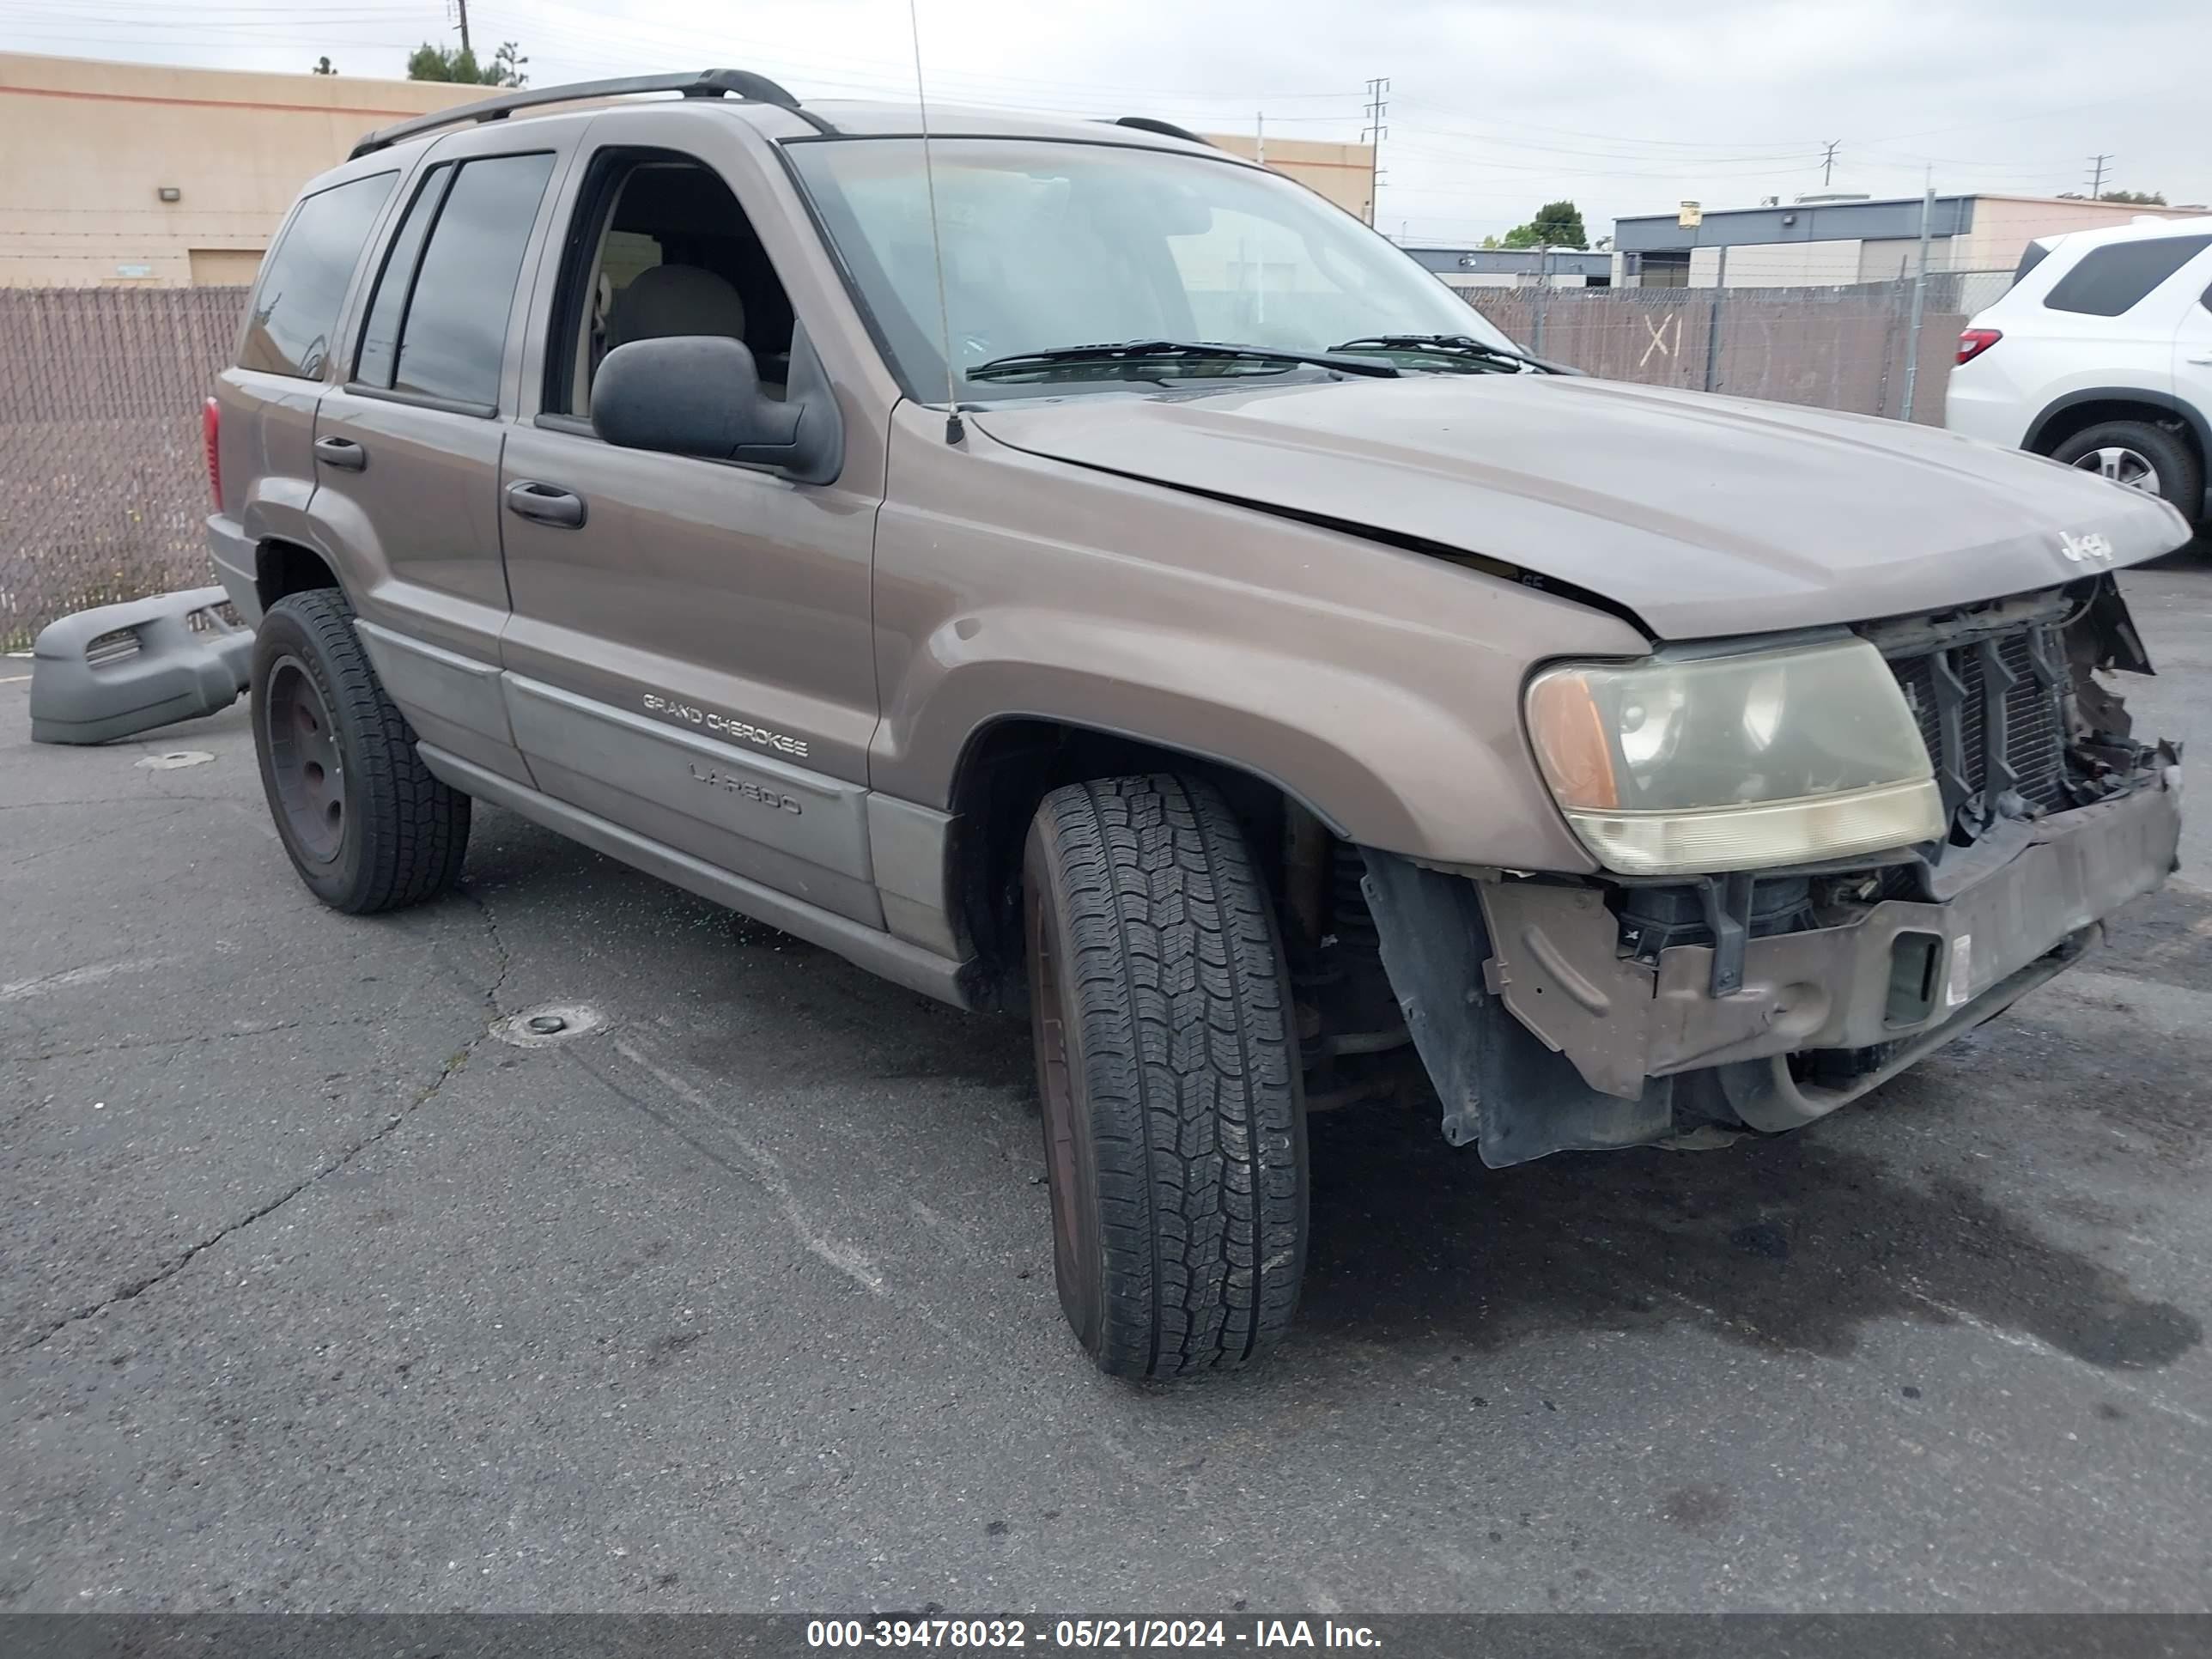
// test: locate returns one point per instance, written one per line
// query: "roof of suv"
(760, 101)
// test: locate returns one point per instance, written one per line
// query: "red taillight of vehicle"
(1973, 342)
(210, 425)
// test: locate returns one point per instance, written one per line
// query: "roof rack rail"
(1165, 129)
(741, 84)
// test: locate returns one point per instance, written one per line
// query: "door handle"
(341, 453)
(547, 503)
(2201, 362)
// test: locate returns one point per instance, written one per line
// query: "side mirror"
(699, 394)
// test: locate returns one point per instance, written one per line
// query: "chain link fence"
(103, 481)
(103, 477)
(1846, 348)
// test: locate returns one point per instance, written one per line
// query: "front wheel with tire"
(1174, 1128)
(367, 826)
(2141, 455)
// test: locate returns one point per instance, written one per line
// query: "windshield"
(1048, 245)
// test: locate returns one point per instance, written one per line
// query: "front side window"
(1048, 245)
(437, 327)
(2110, 279)
(661, 248)
(303, 281)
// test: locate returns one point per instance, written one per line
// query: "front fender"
(1380, 764)
(1378, 685)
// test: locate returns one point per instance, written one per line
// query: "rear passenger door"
(284, 357)
(407, 447)
(690, 655)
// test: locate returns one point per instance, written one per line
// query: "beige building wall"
(2004, 225)
(1343, 172)
(88, 147)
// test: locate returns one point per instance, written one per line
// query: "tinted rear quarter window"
(304, 280)
(456, 318)
(379, 335)
(2109, 280)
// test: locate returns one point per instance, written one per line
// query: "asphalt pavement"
(319, 1294)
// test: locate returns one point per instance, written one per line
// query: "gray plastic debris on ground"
(118, 670)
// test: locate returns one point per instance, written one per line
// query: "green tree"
(429, 63)
(324, 66)
(1557, 224)
(2136, 197)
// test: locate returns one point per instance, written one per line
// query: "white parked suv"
(2100, 356)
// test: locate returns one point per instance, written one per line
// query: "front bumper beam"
(1612, 1034)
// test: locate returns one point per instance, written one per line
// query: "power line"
(1378, 106)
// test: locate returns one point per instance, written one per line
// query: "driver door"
(690, 654)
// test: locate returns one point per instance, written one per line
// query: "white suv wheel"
(2122, 465)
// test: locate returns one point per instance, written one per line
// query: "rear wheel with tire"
(1174, 1128)
(367, 828)
(2141, 455)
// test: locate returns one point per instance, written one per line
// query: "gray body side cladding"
(234, 555)
(879, 953)
(1502, 1088)
(168, 671)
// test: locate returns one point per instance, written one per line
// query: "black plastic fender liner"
(1503, 1088)
(118, 670)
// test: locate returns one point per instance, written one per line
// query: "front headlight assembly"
(1687, 766)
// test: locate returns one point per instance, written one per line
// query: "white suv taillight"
(210, 424)
(1973, 342)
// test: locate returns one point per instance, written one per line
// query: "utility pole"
(1259, 137)
(2097, 175)
(1378, 106)
(462, 7)
(1828, 163)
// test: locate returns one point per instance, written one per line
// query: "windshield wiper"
(1457, 345)
(1146, 350)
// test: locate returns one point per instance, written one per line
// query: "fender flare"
(2189, 414)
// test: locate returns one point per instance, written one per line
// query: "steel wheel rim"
(305, 759)
(2122, 465)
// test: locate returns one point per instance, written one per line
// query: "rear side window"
(2110, 279)
(379, 335)
(303, 281)
(437, 327)
(2033, 255)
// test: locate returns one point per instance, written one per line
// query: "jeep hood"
(1701, 515)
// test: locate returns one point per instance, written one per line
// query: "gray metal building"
(1835, 239)
(1512, 267)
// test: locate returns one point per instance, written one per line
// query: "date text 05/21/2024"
(1107, 1634)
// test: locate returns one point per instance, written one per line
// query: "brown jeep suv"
(1057, 565)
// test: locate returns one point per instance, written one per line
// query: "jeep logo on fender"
(2085, 549)
(745, 787)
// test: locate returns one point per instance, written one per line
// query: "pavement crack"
(184, 1041)
(498, 945)
(169, 1269)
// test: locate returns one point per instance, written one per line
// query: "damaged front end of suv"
(1822, 857)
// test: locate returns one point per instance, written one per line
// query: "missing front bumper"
(1541, 1036)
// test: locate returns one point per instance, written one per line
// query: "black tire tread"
(1189, 1074)
(415, 829)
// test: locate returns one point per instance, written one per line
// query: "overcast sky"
(1492, 107)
